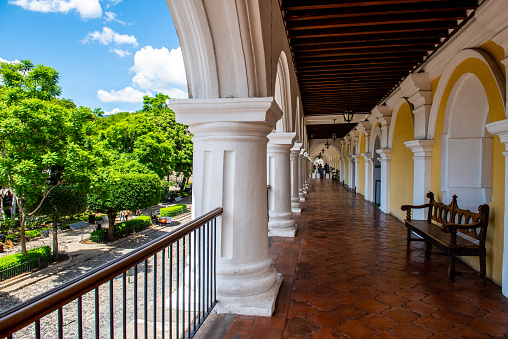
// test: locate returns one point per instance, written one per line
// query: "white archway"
(283, 95)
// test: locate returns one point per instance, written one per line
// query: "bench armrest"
(451, 226)
(408, 209)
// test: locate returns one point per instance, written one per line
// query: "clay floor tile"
(379, 322)
(452, 316)
(401, 315)
(349, 312)
(322, 270)
(421, 307)
(488, 304)
(411, 294)
(347, 298)
(367, 292)
(302, 295)
(473, 311)
(403, 283)
(325, 333)
(357, 271)
(301, 309)
(270, 322)
(465, 332)
(490, 327)
(372, 305)
(343, 286)
(326, 319)
(241, 325)
(323, 304)
(410, 331)
(266, 333)
(433, 324)
(323, 279)
(439, 301)
(383, 335)
(392, 299)
(498, 317)
(300, 326)
(323, 290)
(354, 329)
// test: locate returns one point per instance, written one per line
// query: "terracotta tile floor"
(349, 274)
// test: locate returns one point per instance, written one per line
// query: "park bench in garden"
(454, 231)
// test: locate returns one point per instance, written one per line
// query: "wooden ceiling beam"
(364, 51)
(291, 5)
(364, 39)
(429, 43)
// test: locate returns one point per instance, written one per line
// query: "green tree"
(62, 201)
(41, 138)
(116, 191)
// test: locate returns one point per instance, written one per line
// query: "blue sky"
(109, 52)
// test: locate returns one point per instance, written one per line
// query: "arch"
(395, 111)
(464, 132)
(376, 167)
(282, 94)
(442, 91)
(402, 164)
(298, 120)
(479, 66)
(376, 133)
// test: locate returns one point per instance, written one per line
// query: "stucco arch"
(446, 80)
(376, 133)
(395, 111)
(282, 94)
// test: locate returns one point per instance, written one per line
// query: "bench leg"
(408, 237)
(483, 269)
(428, 250)
(451, 269)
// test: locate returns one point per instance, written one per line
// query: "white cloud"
(108, 36)
(10, 62)
(87, 9)
(159, 69)
(121, 53)
(110, 16)
(115, 110)
(127, 94)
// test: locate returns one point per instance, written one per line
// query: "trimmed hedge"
(171, 211)
(36, 233)
(124, 227)
(18, 258)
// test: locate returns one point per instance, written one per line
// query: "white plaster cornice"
(385, 153)
(277, 138)
(493, 14)
(296, 147)
(499, 128)
(367, 156)
(196, 111)
(420, 148)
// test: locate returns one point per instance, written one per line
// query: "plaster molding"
(367, 156)
(286, 139)
(499, 128)
(385, 153)
(420, 148)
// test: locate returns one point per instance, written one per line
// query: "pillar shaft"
(301, 174)
(386, 158)
(230, 171)
(296, 206)
(422, 150)
(280, 221)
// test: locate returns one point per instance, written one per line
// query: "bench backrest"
(453, 214)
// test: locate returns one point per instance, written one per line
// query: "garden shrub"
(164, 190)
(128, 226)
(171, 211)
(18, 258)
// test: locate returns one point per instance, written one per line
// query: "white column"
(301, 174)
(230, 172)
(422, 150)
(500, 128)
(356, 159)
(368, 176)
(304, 174)
(280, 221)
(296, 206)
(386, 158)
(350, 179)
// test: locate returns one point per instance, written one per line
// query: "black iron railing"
(167, 287)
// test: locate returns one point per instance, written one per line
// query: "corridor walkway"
(348, 274)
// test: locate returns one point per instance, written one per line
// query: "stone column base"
(261, 304)
(283, 231)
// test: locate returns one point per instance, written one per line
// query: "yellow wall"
(361, 167)
(402, 166)
(347, 165)
(495, 232)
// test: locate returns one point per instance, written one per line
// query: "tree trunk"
(2, 214)
(55, 239)
(22, 219)
(111, 227)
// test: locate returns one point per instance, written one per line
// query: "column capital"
(420, 148)
(499, 128)
(277, 138)
(385, 153)
(356, 157)
(296, 147)
(195, 112)
(367, 156)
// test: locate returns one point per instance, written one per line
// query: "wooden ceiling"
(368, 46)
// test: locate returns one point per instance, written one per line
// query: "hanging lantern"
(348, 113)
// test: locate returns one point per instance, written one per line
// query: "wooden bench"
(455, 231)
